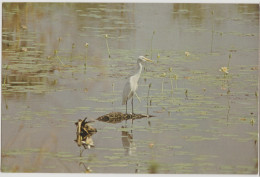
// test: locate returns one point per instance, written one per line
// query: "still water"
(205, 118)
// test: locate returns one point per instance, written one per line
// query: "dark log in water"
(116, 117)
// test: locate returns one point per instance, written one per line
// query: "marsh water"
(205, 115)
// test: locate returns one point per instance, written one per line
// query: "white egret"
(132, 83)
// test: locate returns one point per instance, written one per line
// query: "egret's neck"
(139, 71)
(140, 67)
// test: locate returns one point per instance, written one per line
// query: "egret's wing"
(126, 92)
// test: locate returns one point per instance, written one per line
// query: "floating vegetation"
(224, 70)
(187, 53)
(117, 117)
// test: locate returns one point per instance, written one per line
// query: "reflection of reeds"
(87, 168)
(5, 79)
(6, 105)
(229, 57)
(72, 47)
(113, 87)
(106, 36)
(162, 84)
(175, 76)
(228, 92)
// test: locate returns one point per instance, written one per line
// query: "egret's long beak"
(147, 59)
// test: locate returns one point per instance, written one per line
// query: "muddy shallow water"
(206, 120)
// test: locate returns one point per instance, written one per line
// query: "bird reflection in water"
(127, 141)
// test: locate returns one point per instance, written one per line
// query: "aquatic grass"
(106, 36)
(186, 93)
(56, 51)
(148, 95)
(158, 57)
(163, 75)
(170, 76)
(175, 76)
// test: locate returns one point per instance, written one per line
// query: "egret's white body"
(132, 82)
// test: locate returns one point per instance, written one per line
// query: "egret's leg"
(132, 105)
